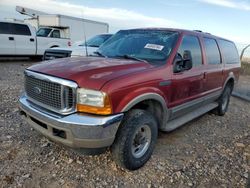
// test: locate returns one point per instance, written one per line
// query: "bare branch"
(242, 52)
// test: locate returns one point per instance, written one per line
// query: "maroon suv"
(138, 82)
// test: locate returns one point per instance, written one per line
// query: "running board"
(175, 123)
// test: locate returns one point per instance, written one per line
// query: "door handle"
(32, 40)
(204, 75)
(11, 38)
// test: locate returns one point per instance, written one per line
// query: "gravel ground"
(210, 151)
(242, 89)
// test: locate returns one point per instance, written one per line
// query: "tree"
(242, 52)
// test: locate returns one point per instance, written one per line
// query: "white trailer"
(71, 27)
(75, 28)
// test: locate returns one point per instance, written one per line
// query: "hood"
(89, 72)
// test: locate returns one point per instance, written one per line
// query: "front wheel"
(135, 139)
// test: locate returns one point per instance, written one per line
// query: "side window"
(19, 29)
(212, 51)
(229, 52)
(4, 28)
(55, 34)
(191, 44)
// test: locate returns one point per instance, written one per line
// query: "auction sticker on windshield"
(154, 47)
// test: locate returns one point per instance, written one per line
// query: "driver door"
(187, 85)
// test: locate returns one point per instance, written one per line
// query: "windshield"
(96, 41)
(43, 32)
(153, 46)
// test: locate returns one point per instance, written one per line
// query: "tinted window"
(191, 43)
(4, 28)
(19, 29)
(229, 52)
(43, 32)
(212, 51)
(96, 41)
(55, 34)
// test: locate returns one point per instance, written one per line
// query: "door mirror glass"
(178, 63)
(183, 63)
(187, 60)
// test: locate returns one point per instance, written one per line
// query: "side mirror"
(187, 60)
(183, 63)
(178, 63)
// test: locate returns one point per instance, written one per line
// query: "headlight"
(92, 101)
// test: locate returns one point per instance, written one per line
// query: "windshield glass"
(96, 41)
(153, 46)
(43, 32)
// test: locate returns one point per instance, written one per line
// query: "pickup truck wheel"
(135, 139)
(224, 101)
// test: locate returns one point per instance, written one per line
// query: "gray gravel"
(210, 151)
(242, 90)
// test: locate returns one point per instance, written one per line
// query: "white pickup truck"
(77, 49)
(19, 39)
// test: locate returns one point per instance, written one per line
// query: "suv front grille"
(50, 95)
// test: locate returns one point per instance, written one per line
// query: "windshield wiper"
(126, 56)
(100, 54)
(93, 46)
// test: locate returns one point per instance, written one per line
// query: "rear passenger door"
(7, 43)
(25, 42)
(188, 85)
(213, 73)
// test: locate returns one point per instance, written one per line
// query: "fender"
(230, 75)
(143, 97)
(149, 96)
(51, 44)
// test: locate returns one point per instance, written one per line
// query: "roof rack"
(198, 31)
(202, 32)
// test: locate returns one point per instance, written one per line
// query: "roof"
(183, 31)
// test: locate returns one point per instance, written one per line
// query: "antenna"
(84, 32)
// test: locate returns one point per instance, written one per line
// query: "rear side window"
(229, 52)
(212, 51)
(4, 28)
(55, 34)
(14, 29)
(192, 44)
(19, 29)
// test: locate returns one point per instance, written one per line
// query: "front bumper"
(75, 130)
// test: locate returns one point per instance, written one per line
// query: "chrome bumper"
(75, 130)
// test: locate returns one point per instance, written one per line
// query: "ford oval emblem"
(37, 90)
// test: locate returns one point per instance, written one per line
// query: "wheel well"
(54, 46)
(152, 106)
(230, 83)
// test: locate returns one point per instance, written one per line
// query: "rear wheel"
(135, 140)
(224, 101)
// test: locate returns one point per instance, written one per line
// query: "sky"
(226, 18)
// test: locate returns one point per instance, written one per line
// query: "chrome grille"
(49, 94)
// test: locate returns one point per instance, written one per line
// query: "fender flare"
(150, 96)
(230, 76)
(143, 97)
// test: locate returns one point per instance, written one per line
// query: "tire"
(135, 139)
(224, 101)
